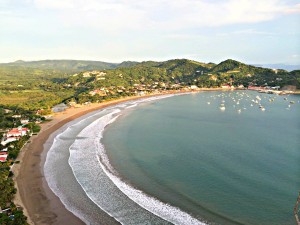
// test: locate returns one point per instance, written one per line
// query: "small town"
(12, 141)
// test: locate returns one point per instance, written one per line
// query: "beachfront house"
(4, 150)
(17, 132)
(7, 140)
(14, 135)
(3, 156)
(24, 121)
(193, 87)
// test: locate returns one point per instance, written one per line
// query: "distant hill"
(40, 84)
(181, 72)
(68, 65)
(280, 66)
(63, 65)
(127, 64)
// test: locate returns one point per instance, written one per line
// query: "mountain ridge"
(84, 65)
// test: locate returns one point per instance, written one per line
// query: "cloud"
(118, 29)
(171, 14)
(248, 32)
(61, 5)
(151, 16)
(293, 10)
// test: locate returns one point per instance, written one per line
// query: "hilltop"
(67, 65)
(41, 84)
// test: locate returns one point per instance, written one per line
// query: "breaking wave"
(101, 182)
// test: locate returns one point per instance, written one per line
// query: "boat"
(222, 107)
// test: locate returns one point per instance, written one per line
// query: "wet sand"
(40, 204)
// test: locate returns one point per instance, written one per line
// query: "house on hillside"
(24, 121)
(193, 87)
(3, 156)
(227, 86)
(100, 92)
(7, 140)
(17, 132)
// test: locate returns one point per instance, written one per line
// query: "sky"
(250, 31)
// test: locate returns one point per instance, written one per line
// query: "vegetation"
(28, 87)
(12, 215)
(43, 84)
(11, 117)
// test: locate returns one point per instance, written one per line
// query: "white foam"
(96, 184)
(163, 210)
(131, 106)
(54, 157)
(97, 166)
(153, 205)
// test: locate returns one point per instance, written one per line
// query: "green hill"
(41, 84)
(63, 65)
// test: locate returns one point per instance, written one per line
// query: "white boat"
(222, 107)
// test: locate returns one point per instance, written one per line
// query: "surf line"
(153, 205)
(93, 143)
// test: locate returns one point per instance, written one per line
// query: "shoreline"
(40, 205)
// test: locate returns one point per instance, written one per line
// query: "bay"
(234, 166)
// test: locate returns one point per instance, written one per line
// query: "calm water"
(236, 166)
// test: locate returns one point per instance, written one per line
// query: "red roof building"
(17, 132)
(3, 156)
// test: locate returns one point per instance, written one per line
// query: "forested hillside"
(42, 84)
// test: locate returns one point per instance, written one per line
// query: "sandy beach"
(40, 204)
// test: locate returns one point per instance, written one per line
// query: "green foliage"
(43, 84)
(8, 121)
(33, 127)
(226, 65)
(29, 86)
(7, 190)
(16, 147)
(64, 65)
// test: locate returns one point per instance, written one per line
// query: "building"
(227, 86)
(17, 132)
(24, 121)
(8, 140)
(193, 87)
(3, 156)
(100, 92)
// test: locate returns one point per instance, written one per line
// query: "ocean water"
(181, 160)
(234, 166)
